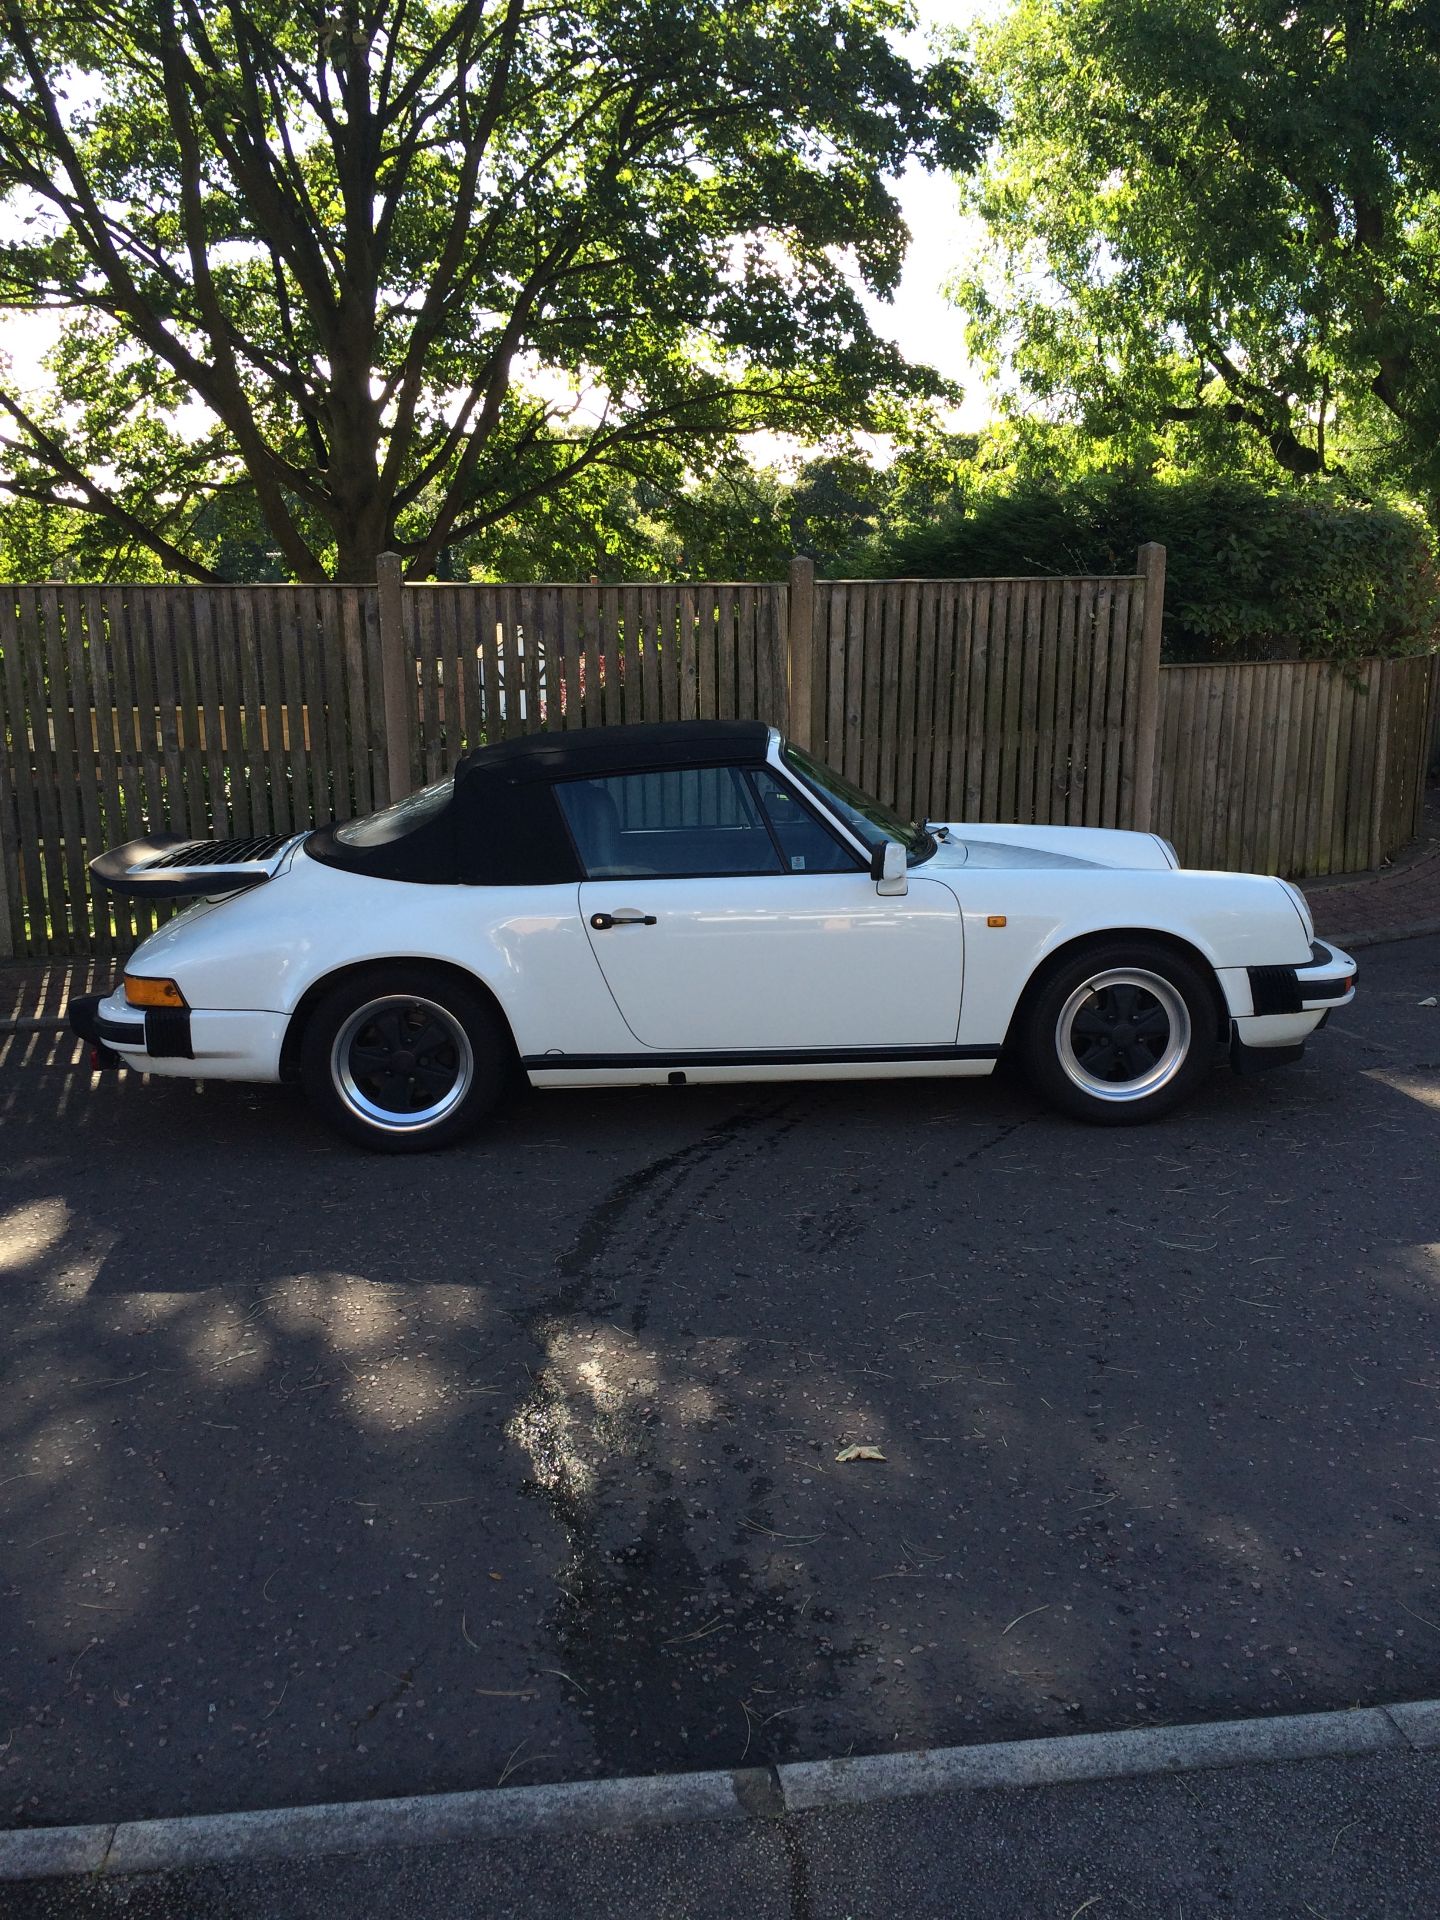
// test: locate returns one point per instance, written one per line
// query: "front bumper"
(210, 1045)
(1286, 1005)
(1328, 980)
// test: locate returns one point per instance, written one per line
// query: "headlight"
(1302, 907)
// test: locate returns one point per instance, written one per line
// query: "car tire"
(1120, 1033)
(404, 1059)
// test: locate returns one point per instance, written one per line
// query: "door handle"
(625, 917)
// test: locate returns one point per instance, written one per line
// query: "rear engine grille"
(218, 853)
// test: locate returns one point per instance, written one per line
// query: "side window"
(807, 843)
(691, 822)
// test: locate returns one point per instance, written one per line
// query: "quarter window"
(399, 818)
(807, 844)
(690, 822)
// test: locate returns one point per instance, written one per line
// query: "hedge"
(1251, 574)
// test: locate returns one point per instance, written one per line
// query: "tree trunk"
(362, 531)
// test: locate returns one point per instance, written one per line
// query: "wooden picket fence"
(493, 661)
(251, 710)
(1030, 699)
(1294, 766)
(245, 710)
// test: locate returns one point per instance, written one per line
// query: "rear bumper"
(84, 1017)
(205, 1044)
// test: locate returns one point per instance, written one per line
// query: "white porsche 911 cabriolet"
(652, 905)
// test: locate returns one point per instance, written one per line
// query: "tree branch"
(236, 412)
(96, 500)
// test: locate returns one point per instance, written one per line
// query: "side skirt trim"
(760, 1057)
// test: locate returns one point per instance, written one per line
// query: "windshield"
(868, 818)
(399, 818)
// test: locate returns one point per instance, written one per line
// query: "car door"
(720, 927)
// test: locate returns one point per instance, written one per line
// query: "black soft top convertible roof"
(501, 826)
(596, 751)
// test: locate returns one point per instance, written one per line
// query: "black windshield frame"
(866, 817)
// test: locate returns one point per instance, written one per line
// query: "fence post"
(7, 815)
(397, 677)
(1381, 717)
(1150, 565)
(9, 774)
(800, 651)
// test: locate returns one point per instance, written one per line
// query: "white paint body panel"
(263, 949)
(780, 960)
(227, 1046)
(990, 841)
(1277, 1029)
(1234, 920)
(734, 963)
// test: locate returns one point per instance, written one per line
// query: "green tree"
(364, 260)
(602, 523)
(1221, 227)
(735, 521)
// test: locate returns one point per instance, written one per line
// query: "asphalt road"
(325, 1476)
(1326, 1840)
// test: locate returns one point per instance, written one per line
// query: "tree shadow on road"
(328, 1476)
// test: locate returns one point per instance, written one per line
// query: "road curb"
(1096, 1756)
(500, 1813)
(1385, 936)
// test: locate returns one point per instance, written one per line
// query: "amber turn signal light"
(995, 920)
(141, 991)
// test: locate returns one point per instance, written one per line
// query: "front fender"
(1230, 920)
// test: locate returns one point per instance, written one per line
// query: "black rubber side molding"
(754, 1057)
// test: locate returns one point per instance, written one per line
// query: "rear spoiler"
(168, 866)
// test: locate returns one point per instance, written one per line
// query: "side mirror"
(888, 868)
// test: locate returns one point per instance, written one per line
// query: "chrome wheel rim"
(402, 1062)
(1123, 1034)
